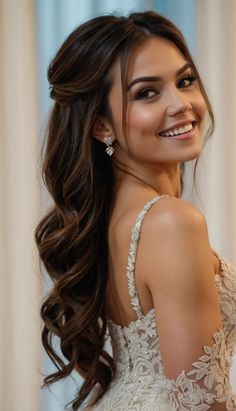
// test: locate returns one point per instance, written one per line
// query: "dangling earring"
(109, 149)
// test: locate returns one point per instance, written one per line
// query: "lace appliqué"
(132, 255)
(207, 382)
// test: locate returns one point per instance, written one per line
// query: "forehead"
(156, 56)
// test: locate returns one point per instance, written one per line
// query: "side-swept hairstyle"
(72, 237)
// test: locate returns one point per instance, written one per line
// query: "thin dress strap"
(135, 235)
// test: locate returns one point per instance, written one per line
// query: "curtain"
(216, 56)
(20, 290)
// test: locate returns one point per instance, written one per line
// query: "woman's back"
(122, 221)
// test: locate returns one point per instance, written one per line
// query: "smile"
(178, 130)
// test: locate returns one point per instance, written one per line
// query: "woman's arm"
(180, 277)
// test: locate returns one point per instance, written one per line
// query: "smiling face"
(165, 107)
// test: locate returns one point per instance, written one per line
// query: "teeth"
(176, 131)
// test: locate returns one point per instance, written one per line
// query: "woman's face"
(165, 107)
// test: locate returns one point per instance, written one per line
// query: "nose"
(177, 103)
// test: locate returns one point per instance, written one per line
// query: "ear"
(101, 129)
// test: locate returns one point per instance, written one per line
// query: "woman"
(122, 247)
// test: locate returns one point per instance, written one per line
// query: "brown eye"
(186, 81)
(146, 93)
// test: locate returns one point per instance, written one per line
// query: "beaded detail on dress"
(132, 256)
(140, 384)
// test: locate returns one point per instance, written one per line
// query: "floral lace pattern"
(210, 382)
(140, 384)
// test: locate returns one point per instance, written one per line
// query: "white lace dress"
(140, 384)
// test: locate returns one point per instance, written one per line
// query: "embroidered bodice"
(140, 384)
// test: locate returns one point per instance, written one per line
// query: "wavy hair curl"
(72, 237)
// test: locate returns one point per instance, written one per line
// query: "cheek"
(143, 117)
(199, 106)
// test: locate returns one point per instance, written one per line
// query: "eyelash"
(141, 94)
(190, 78)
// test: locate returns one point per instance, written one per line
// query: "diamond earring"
(109, 149)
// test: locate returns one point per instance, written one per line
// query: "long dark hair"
(72, 237)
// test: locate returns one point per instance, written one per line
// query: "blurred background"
(30, 33)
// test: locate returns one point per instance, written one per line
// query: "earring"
(109, 149)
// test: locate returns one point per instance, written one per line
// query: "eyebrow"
(156, 78)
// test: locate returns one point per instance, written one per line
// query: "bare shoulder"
(173, 218)
(174, 212)
(175, 239)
